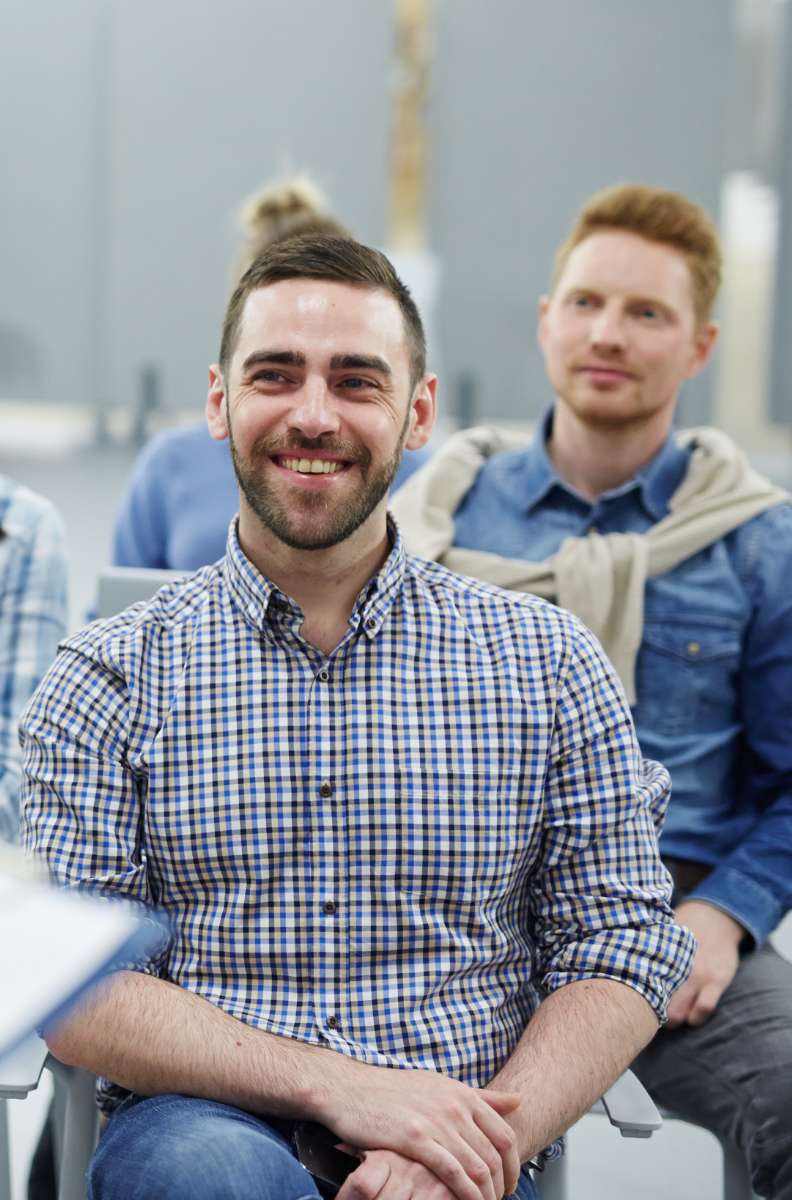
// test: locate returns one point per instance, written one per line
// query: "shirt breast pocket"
(686, 676)
(462, 837)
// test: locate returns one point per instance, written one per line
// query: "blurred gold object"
(412, 67)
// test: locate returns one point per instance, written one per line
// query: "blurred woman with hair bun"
(183, 492)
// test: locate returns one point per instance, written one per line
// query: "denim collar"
(532, 475)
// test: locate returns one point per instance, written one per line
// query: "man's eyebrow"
(281, 358)
(360, 362)
(651, 302)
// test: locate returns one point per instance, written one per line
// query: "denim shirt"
(714, 671)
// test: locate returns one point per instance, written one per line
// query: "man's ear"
(216, 405)
(544, 304)
(703, 345)
(423, 413)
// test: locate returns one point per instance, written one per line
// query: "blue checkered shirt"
(32, 621)
(392, 850)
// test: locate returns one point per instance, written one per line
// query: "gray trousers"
(733, 1074)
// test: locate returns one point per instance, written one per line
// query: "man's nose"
(314, 412)
(607, 329)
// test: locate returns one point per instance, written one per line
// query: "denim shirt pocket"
(686, 676)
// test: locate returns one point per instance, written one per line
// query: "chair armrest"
(630, 1108)
(20, 1069)
(76, 1126)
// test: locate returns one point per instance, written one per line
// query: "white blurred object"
(749, 230)
(54, 944)
(749, 210)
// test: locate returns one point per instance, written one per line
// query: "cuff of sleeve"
(654, 962)
(741, 897)
(154, 942)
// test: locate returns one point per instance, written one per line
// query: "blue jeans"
(174, 1147)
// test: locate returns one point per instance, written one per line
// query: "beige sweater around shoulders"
(599, 577)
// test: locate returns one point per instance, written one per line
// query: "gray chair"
(76, 1115)
(736, 1177)
(118, 587)
(630, 1108)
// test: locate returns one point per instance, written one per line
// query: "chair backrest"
(118, 587)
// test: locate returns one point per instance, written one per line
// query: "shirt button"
(693, 647)
(324, 675)
(326, 790)
(371, 623)
(329, 907)
(332, 1022)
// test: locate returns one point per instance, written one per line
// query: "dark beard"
(271, 511)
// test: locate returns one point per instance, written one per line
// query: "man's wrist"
(695, 913)
(324, 1075)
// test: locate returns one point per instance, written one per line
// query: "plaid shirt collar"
(263, 605)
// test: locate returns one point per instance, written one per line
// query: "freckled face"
(318, 407)
(619, 333)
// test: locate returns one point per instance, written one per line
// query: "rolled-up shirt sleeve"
(81, 802)
(602, 897)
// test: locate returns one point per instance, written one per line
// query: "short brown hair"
(338, 260)
(658, 216)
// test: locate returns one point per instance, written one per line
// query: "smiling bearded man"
(398, 819)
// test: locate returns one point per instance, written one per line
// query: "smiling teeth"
(312, 466)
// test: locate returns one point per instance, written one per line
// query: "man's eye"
(268, 376)
(582, 301)
(648, 313)
(355, 383)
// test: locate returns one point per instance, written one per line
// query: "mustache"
(266, 446)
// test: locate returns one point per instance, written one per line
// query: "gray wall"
(47, 176)
(781, 364)
(130, 131)
(536, 105)
(209, 100)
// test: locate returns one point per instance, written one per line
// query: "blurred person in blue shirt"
(32, 621)
(182, 495)
(679, 557)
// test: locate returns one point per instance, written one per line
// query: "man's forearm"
(153, 1037)
(578, 1042)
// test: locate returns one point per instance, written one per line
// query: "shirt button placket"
(329, 909)
(328, 930)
